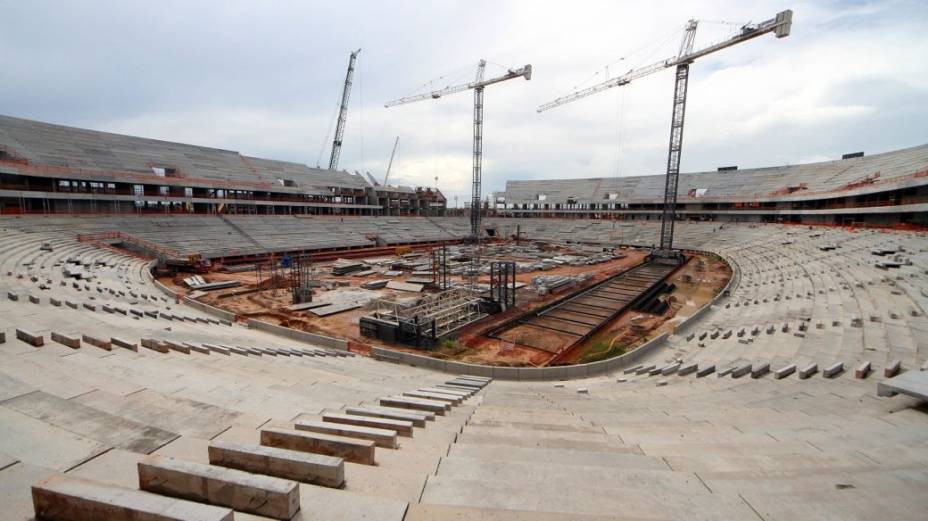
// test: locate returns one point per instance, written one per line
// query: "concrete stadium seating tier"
(60, 146)
(669, 442)
(740, 185)
(228, 236)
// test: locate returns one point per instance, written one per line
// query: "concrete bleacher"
(113, 156)
(672, 445)
(234, 235)
(743, 184)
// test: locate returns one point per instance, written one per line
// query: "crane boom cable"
(478, 85)
(779, 25)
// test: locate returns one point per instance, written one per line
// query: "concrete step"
(305, 467)
(242, 491)
(532, 426)
(440, 390)
(381, 437)
(418, 418)
(402, 428)
(349, 449)
(515, 440)
(548, 496)
(421, 512)
(627, 460)
(450, 398)
(418, 404)
(539, 472)
(66, 498)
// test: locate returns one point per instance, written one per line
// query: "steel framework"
(301, 273)
(343, 112)
(503, 283)
(668, 213)
(438, 314)
(440, 267)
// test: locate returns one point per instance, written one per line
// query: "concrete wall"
(567, 372)
(302, 336)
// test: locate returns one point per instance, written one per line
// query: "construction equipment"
(390, 164)
(477, 86)
(343, 112)
(779, 25)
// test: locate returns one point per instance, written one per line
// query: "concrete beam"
(30, 338)
(401, 427)
(326, 471)
(808, 371)
(98, 342)
(385, 438)
(349, 449)
(759, 370)
(72, 341)
(252, 493)
(154, 345)
(833, 370)
(892, 369)
(741, 370)
(66, 498)
(783, 372)
(125, 344)
(705, 371)
(405, 402)
(862, 371)
(434, 396)
(417, 418)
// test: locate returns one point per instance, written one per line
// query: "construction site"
(191, 332)
(525, 303)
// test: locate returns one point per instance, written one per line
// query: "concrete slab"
(911, 383)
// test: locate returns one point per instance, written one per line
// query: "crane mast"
(478, 86)
(779, 25)
(390, 164)
(343, 112)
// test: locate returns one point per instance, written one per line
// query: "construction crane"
(390, 164)
(478, 85)
(343, 112)
(779, 26)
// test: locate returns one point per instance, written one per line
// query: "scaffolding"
(301, 279)
(423, 322)
(440, 268)
(503, 284)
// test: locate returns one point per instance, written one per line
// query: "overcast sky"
(264, 78)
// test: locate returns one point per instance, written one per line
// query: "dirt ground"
(249, 301)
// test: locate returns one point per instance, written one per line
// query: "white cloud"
(263, 79)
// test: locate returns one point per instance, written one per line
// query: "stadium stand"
(46, 168)
(667, 446)
(798, 394)
(886, 188)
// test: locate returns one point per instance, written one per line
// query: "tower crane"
(779, 26)
(343, 112)
(478, 85)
